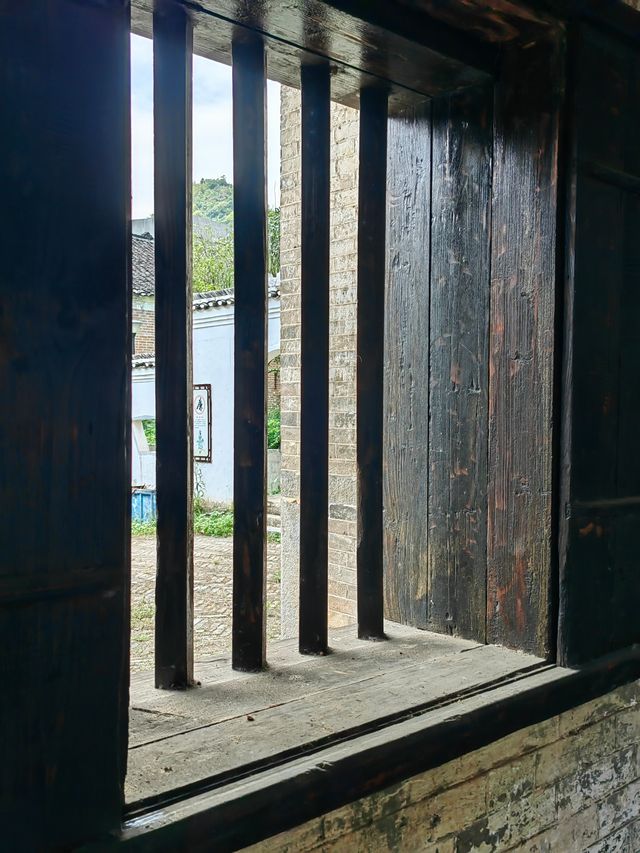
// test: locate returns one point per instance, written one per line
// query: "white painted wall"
(143, 407)
(213, 364)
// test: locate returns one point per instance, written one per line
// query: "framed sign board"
(202, 423)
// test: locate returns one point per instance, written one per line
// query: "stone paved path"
(212, 597)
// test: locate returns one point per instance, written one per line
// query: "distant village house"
(213, 326)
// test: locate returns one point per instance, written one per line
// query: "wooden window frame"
(243, 811)
(240, 812)
(76, 658)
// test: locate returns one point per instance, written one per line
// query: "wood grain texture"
(372, 177)
(523, 272)
(494, 21)
(406, 404)
(600, 467)
(250, 351)
(65, 379)
(172, 72)
(314, 359)
(308, 722)
(366, 41)
(242, 813)
(300, 705)
(458, 337)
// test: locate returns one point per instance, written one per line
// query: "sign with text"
(202, 423)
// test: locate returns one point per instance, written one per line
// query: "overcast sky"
(212, 139)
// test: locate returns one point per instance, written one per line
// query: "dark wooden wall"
(64, 419)
(470, 354)
(600, 518)
(406, 425)
(437, 318)
(458, 347)
(528, 102)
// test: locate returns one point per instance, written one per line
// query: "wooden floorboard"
(178, 738)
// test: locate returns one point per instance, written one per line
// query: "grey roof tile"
(143, 259)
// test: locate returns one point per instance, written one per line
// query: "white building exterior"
(213, 328)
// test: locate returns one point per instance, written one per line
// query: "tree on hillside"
(213, 198)
(212, 263)
(213, 256)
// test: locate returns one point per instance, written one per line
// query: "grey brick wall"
(342, 365)
(568, 785)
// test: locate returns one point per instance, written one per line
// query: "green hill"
(213, 198)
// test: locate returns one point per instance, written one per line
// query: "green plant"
(273, 428)
(206, 522)
(273, 234)
(212, 263)
(213, 256)
(198, 489)
(143, 528)
(149, 428)
(215, 523)
(141, 614)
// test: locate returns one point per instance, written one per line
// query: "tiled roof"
(143, 265)
(143, 359)
(143, 260)
(217, 298)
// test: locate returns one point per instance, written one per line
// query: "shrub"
(149, 428)
(216, 523)
(273, 429)
(143, 528)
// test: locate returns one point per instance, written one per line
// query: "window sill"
(502, 692)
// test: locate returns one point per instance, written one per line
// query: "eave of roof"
(219, 298)
(143, 359)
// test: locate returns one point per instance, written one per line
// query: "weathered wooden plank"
(250, 265)
(312, 719)
(600, 582)
(65, 380)
(172, 71)
(523, 274)
(599, 259)
(459, 375)
(370, 359)
(406, 405)
(314, 359)
(411, 50)
(242, 812)
(601, 471)
(226, 693)
(605, 134)
(496, 21)
(628, 472)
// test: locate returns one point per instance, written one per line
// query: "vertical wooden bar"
(370, 359)
(250, 260)
(314, 379)
(172, 64)
(600, 464)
